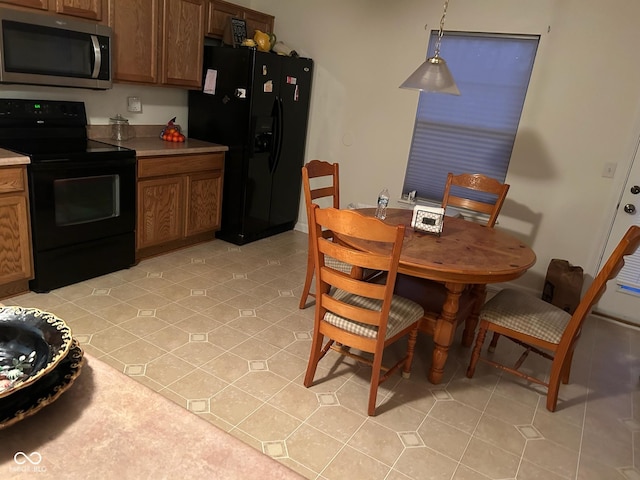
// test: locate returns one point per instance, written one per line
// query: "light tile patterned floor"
(216, 328)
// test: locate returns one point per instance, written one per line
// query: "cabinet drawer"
(178, 164)
(12, 180)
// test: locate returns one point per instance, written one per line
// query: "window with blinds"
(473, 132)
(628, 279)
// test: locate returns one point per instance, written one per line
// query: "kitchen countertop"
(154, 146)
(109, 426)
(144, 147)
(8, 158)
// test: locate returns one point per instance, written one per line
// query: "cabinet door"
(160, 211)
(135, 26)
(80, 8)
(258, 21)
(39, 4)
(15, 249)
(182, 42)
(218, 14)
(204, 202)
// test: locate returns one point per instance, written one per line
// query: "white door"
(622, 297)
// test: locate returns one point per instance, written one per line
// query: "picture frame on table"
(427, 219)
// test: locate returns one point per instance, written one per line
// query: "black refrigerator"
(256, 103)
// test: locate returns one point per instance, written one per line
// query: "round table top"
(465, 251)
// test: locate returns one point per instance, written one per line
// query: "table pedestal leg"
(479, 297)
(445, 330)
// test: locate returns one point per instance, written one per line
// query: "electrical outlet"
(134, 104)
(609, 169)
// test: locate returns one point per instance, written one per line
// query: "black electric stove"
(82, 193)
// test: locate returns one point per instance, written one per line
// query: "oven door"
(81, 201)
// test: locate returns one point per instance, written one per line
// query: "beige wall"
(573, 120)
(159, 105)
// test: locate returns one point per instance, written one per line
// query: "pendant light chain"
(441, 30)
(433, 75)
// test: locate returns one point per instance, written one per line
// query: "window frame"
(442, 143)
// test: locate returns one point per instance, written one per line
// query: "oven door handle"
(97, 56)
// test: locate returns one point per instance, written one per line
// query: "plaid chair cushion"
(336, 264)
(526, 314)
(403, 313)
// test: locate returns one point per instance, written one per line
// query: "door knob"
(630, 208)
(635, 189)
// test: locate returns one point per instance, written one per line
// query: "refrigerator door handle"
(277, 141)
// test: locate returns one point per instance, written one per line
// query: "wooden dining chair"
(321, 184)
(457, 185)
(430, 294)
(352, 312)
(543, 328)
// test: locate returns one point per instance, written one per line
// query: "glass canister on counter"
(119, 128)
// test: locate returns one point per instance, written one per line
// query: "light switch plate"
(134, 104)
(609, 169)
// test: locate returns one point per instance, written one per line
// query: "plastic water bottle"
(383, 202)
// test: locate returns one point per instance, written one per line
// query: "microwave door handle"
(97, 55)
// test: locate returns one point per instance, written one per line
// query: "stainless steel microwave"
(39, 49)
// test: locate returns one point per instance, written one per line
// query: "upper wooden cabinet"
(39, 4)
(136, 25)
(182, 42)
(80, 8)
(219, 12)
(91, 9)
(157, 41)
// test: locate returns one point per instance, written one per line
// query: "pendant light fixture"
(434, 75)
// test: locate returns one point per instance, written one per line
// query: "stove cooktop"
(50, 130)
(41, 150)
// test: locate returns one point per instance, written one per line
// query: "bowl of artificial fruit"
(171, 133)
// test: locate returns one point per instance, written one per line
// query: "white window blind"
(629, 276)
(628, 279)
(473, 132)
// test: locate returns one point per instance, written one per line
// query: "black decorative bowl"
(32, 343)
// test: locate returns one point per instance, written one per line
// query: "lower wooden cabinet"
(179, 201)
(16, 260)
(204, 201)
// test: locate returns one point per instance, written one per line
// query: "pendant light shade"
(434, 74)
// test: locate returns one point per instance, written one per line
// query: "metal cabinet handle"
(630, 208)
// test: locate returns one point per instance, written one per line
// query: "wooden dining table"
(465, 257)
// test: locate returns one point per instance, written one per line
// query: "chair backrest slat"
(479, 183)
(329, 172)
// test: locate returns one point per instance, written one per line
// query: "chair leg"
(411, 346)
(475, 355)
(314, 357)
(471, 322)
(375, 382)
(566, 367)
(494, 342)
(307, 281)
(553, 388)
